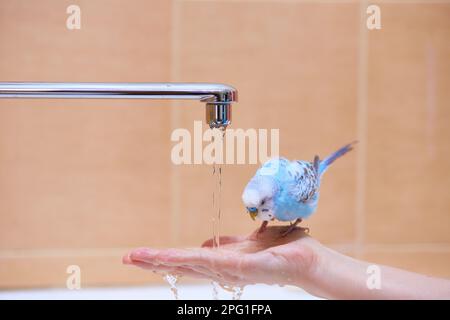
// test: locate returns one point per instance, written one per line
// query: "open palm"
(259, 258)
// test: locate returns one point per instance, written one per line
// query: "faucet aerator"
(218, 115)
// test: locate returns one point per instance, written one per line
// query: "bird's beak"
(253, 214)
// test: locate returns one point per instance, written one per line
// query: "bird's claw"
(289, 230)
(263, 227)
(292, 226)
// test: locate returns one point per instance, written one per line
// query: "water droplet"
(172, 281)
(237, 293)
(215, 290)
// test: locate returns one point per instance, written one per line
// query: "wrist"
(330, 273)
(310, 273)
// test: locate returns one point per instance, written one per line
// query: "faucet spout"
(218, 97)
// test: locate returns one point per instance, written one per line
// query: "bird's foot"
(292, 227)
(263, 227)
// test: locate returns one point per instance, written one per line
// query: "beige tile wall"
(83, 181)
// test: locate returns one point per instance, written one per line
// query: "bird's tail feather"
(325, 163)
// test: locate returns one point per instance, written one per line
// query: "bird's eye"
(263, 202)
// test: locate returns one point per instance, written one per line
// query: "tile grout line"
(326, 1)
(174, 123)
(362, 74)
(61, 253)
(407, 248)
(394, 247)
(119, 251)
(282, 1)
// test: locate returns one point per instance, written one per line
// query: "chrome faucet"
(217, 97)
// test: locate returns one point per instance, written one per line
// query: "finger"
(194, 272)
(183, 271)
(126, 259)
(216, 264)
(224, 240)
(171, 257)
(210, 258)
(218, 273)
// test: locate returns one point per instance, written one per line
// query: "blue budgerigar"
(287, 190)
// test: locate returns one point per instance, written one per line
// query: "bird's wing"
(305, 180)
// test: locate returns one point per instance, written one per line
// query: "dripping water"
(216, 199)
(172, 281)
(217, 192)
(215, 290)
(216, 203)
(236, 292)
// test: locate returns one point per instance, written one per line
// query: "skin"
(295, 259)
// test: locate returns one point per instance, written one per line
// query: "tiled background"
(81, 182)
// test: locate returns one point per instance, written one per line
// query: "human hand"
(296, 259)
(259, 258)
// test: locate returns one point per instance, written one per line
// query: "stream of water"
(236, 292)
